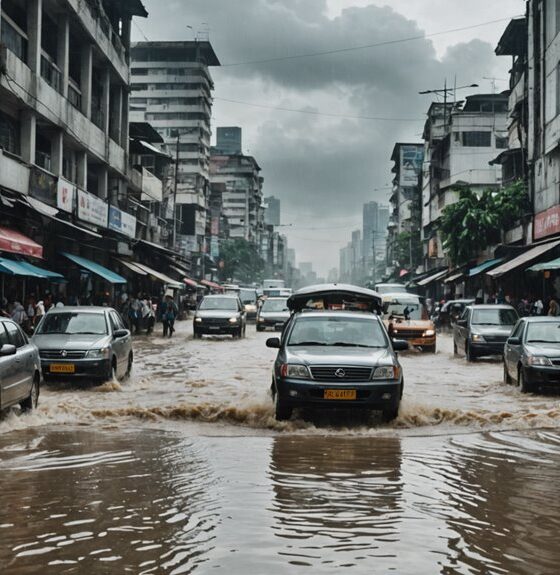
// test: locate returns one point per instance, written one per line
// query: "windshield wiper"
(308, 343)
(541, 341)
(487, 323)
(86, 333)
(345, 344)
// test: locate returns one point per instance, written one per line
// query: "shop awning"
(42, 272)
(432, 278)
(484, 266)
(182, 272)
(132, 266)
(210, 284)
(159, 275)
(191, 283)
(96, 269)
(551, 265)
(453, 278)
(16, 243)
(13, 268)
(522, 259)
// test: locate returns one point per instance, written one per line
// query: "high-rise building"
(172, 90)
(272, 214)
(369, 229)
(229, 140)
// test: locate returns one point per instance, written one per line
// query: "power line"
(366, 46)
(317, 113)
(140, 30)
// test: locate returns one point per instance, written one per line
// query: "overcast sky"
(324, 167)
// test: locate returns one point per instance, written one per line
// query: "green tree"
(408, 249)
(241, 261)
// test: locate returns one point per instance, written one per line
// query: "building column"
(116, 111)
(28, 136)
(81, 170)
(63, 48)
(57, 152)
(125, 36)
(124, 119)
(106, 100)
(34, 21)
(103, 183)
(85, 78)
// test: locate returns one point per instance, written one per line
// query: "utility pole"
(445, 90)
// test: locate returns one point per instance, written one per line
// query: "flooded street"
(183, 469)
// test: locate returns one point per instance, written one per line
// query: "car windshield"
(409, 309)
(70, 323)
(494, 316)
(275, 305)
(543, 332)
(219, 303)
(389, 288)
(248, 295)
(343, 332)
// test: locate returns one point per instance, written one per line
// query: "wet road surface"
(183, 469)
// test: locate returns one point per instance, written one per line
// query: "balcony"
(74, 94)
(51, 73)
(13, 38)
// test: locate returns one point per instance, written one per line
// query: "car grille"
(408, 333)
(215, 321)
(61, 354)
(495, 338)
(350, 373)
(555, 360)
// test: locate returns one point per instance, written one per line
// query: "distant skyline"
(324, 167)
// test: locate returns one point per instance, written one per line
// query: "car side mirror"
(514, 341)
(461, 322)
(118, 333)
(400, 345)
(8, 349)
(273, 342)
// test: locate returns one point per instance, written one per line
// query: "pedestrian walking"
(169, 313)
(19, 315)
(553, 308)
(538, 307)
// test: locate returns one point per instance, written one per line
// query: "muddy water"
(85, 501)
(182, 469)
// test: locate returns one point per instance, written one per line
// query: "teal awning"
(484, 266)
(43, 273)
(551, 265)
(95, 268)
(15, 268)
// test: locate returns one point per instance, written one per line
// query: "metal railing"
(51, 74)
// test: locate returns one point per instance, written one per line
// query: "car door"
(121, 344)
(460, 329)
(8, 372)
(24, 367)
(512, 353)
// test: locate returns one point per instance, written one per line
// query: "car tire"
(30, 403)
(430, 348)
(469, 355)
(196, 335)
(129, 366)
(282, 411)
(507, 378)
(455, 350)
(524, 387)
(259, 328)
(389, 415)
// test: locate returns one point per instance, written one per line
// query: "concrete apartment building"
(460, 142)
(272, 212)
(172, 90)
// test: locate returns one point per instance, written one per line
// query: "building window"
(9, 134)
(501, 142)
(14, 39)
(477, 139)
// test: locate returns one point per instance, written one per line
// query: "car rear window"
(494, 316)
(275, 305)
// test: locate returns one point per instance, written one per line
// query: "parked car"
(451, 311)
(406, 317)
(382, 288)
(532, 353)
(332, 355)
(218, 315)
(20, 368)
(249, 299)
(483, 330)
(86, 343)
(273, 313)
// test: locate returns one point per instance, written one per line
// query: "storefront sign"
(92, 209)
(43, 186)
(65, 195)
(547, 223)
(122, 222)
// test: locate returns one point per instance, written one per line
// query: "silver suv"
(84, 342)
(20, 368)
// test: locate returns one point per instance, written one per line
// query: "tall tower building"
(228, 140)
(272, 214)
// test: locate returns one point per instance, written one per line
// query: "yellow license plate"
(62, 368)
(344, 394)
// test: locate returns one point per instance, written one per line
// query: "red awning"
(211, 285)
(190, 282)
(16, 243)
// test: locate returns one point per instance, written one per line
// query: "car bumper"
(420, 341)
(372, 395)
(218, 329)
(542, 375)
(487, 348)
(98, 368)
(271, 324)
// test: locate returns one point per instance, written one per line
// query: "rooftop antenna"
(493, 81)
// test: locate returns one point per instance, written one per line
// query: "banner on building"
(43, 186)
(122, 222)
(65, 195)
(411, 165)
(547, 223)
(92, 209)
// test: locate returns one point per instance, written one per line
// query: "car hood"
(503, 330)
(75, 341)
(331, 355)
(216, 313)
(283, 315)
(547, 349)
(419, 324)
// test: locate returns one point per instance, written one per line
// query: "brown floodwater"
(183, 469)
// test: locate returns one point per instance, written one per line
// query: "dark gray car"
(483, 330)
(274, 313)
(20, 368)
(220, 315)
(84, 343)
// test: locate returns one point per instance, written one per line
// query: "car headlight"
(104, 352)
(429, 333)
(261, 320)
(295, 371)
(233, 320)
(477, 338)
(386, 372)
(198, 319)
(538, 360)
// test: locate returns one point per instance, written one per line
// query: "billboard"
(411, 159)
